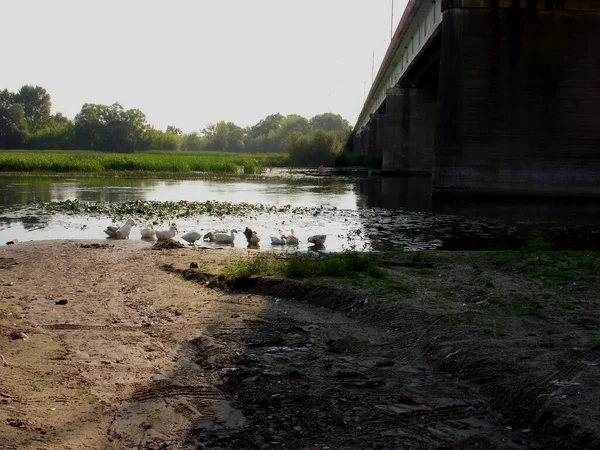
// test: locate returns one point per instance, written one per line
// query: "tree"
(13, 127)
(329, 122)
(60, 118)
(235, 138)
(316, 148)
(88, 126)
(265, 126)
(36, 106)
(110, 128)
(153, 139)
(192, 142)
(293, 123)
(6, 98)
(216, 135)
(56, 135)
(174, 130)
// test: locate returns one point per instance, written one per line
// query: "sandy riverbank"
(102, 348)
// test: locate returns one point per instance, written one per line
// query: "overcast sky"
(191, 62)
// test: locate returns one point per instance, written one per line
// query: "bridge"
(490, 97)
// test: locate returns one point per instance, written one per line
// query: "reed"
(154, 162)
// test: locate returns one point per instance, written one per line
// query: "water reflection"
(410, 193)
(369, 212)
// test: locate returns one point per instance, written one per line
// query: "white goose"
(318, 240)
(148, 232)
(211, 236)
(277, 240)
(120, 232)
(165, 235)
(291, 239)
(191, 237)
(225, 238)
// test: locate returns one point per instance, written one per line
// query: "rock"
(193, 265)
(64, 301)
(19, 335)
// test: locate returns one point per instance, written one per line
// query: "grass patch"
(291, 372)
(10, 312)
(345, 344)
(422, 258)
(593, 338)
(568, 305)
(483, 282)
(263, 265)
(535, 260)
(525, 308)
(422, 271)
(393, 286)
(307, 266)
(531, 251)
(80, 161)
(348, 268)
(557, 276)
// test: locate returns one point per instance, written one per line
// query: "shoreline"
(501, 339)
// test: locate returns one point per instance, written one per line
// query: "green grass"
(535, 260)
(348, 268)
(345, 344)
(424, 258)
(291, 372)
(307, 266)
(89, 162)
(525, 308)
(422, 271)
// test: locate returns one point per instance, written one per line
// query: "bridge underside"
(504, 100)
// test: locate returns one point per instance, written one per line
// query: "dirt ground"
(102, 348)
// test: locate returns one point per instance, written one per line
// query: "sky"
(189, 63)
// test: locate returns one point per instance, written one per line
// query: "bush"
(316, 148)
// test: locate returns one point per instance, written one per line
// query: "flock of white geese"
(218, 237)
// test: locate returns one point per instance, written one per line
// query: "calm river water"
(369, 213)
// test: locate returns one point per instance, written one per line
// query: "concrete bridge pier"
(409, 130)
(519, 98)
(375, 143)
(360, 142)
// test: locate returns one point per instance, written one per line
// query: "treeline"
(26, 122)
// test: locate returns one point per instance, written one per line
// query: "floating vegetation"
(157, 211)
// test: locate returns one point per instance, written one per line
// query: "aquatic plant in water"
(157, 211)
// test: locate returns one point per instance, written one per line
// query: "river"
(355, 212)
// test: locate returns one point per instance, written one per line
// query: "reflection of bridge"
(490, 96)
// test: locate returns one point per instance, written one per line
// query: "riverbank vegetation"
(101, 163)
(26, 123)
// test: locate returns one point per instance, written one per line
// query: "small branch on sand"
(452, 354)
(5, 362)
